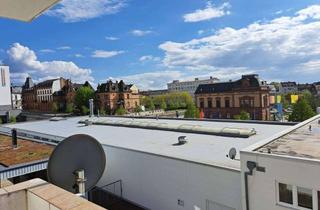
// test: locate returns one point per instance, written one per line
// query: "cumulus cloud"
(105, 54)
(277, 46)
(159, 79)
(138, 32)
(147, 58)
(151, 80)
(81, 10)
(210, 12)
(23, 62)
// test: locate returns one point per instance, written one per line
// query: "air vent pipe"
(14, 138)
(91, 107)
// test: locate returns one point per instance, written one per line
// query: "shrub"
(13, 119)
(84, 110)
(69, 108)
(120, 111)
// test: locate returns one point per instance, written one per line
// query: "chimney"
(91, 107)
(14, 138)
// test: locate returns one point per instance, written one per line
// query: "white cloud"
(151, 80)
(81, 10)
(47, 51)
(111, 38)
(23, 61)
(200, 32)
(310, 67)
(208, 13)
(138, 32)
(78, 55)
(277, 46)
(64, 48)
(147, 58)
(105, 54)
(159, 79)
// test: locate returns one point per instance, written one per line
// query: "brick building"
(41, 97)
(67, 94)
(112, 95)
(227, 99)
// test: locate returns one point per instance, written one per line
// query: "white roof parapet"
(25, 10)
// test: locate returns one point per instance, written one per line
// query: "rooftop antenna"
(73, 171)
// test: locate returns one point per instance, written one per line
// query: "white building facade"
(285, 170)
(189, 86)
(5, 93)
(16, 97)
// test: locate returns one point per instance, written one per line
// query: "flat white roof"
(205, 149)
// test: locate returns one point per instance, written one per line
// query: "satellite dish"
(77, 163)
(232, 153)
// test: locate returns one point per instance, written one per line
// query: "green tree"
(120, 111)
(69, 108)
(1, 121)
(148, 103)
(311, 100)
(192, 111)
(163, 105)
(82, 97)
(55, 107)
(13, 119)
(242, 116)
(301, 111)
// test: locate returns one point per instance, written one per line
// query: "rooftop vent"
(181, 141)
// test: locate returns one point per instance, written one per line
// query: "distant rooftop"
(301, 142)
(200, 148)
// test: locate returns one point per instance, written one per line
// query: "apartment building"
(112, 95)
(189, 86)
(39, 97)
(288, 88)
(227, 99)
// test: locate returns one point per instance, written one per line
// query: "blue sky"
(151, 42)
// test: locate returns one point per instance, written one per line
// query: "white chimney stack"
(91, 107)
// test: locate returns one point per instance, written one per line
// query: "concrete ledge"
(37, 194)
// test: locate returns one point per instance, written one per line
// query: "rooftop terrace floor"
(301, 142)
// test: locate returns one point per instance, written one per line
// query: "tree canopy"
(82, 96)
(301, 111)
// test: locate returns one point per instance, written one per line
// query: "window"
(304, 197)
(246, 101)
(285, 193)
(297, 197)
(227, 103)
(209, 102)
(218, 103)
(201, 103)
